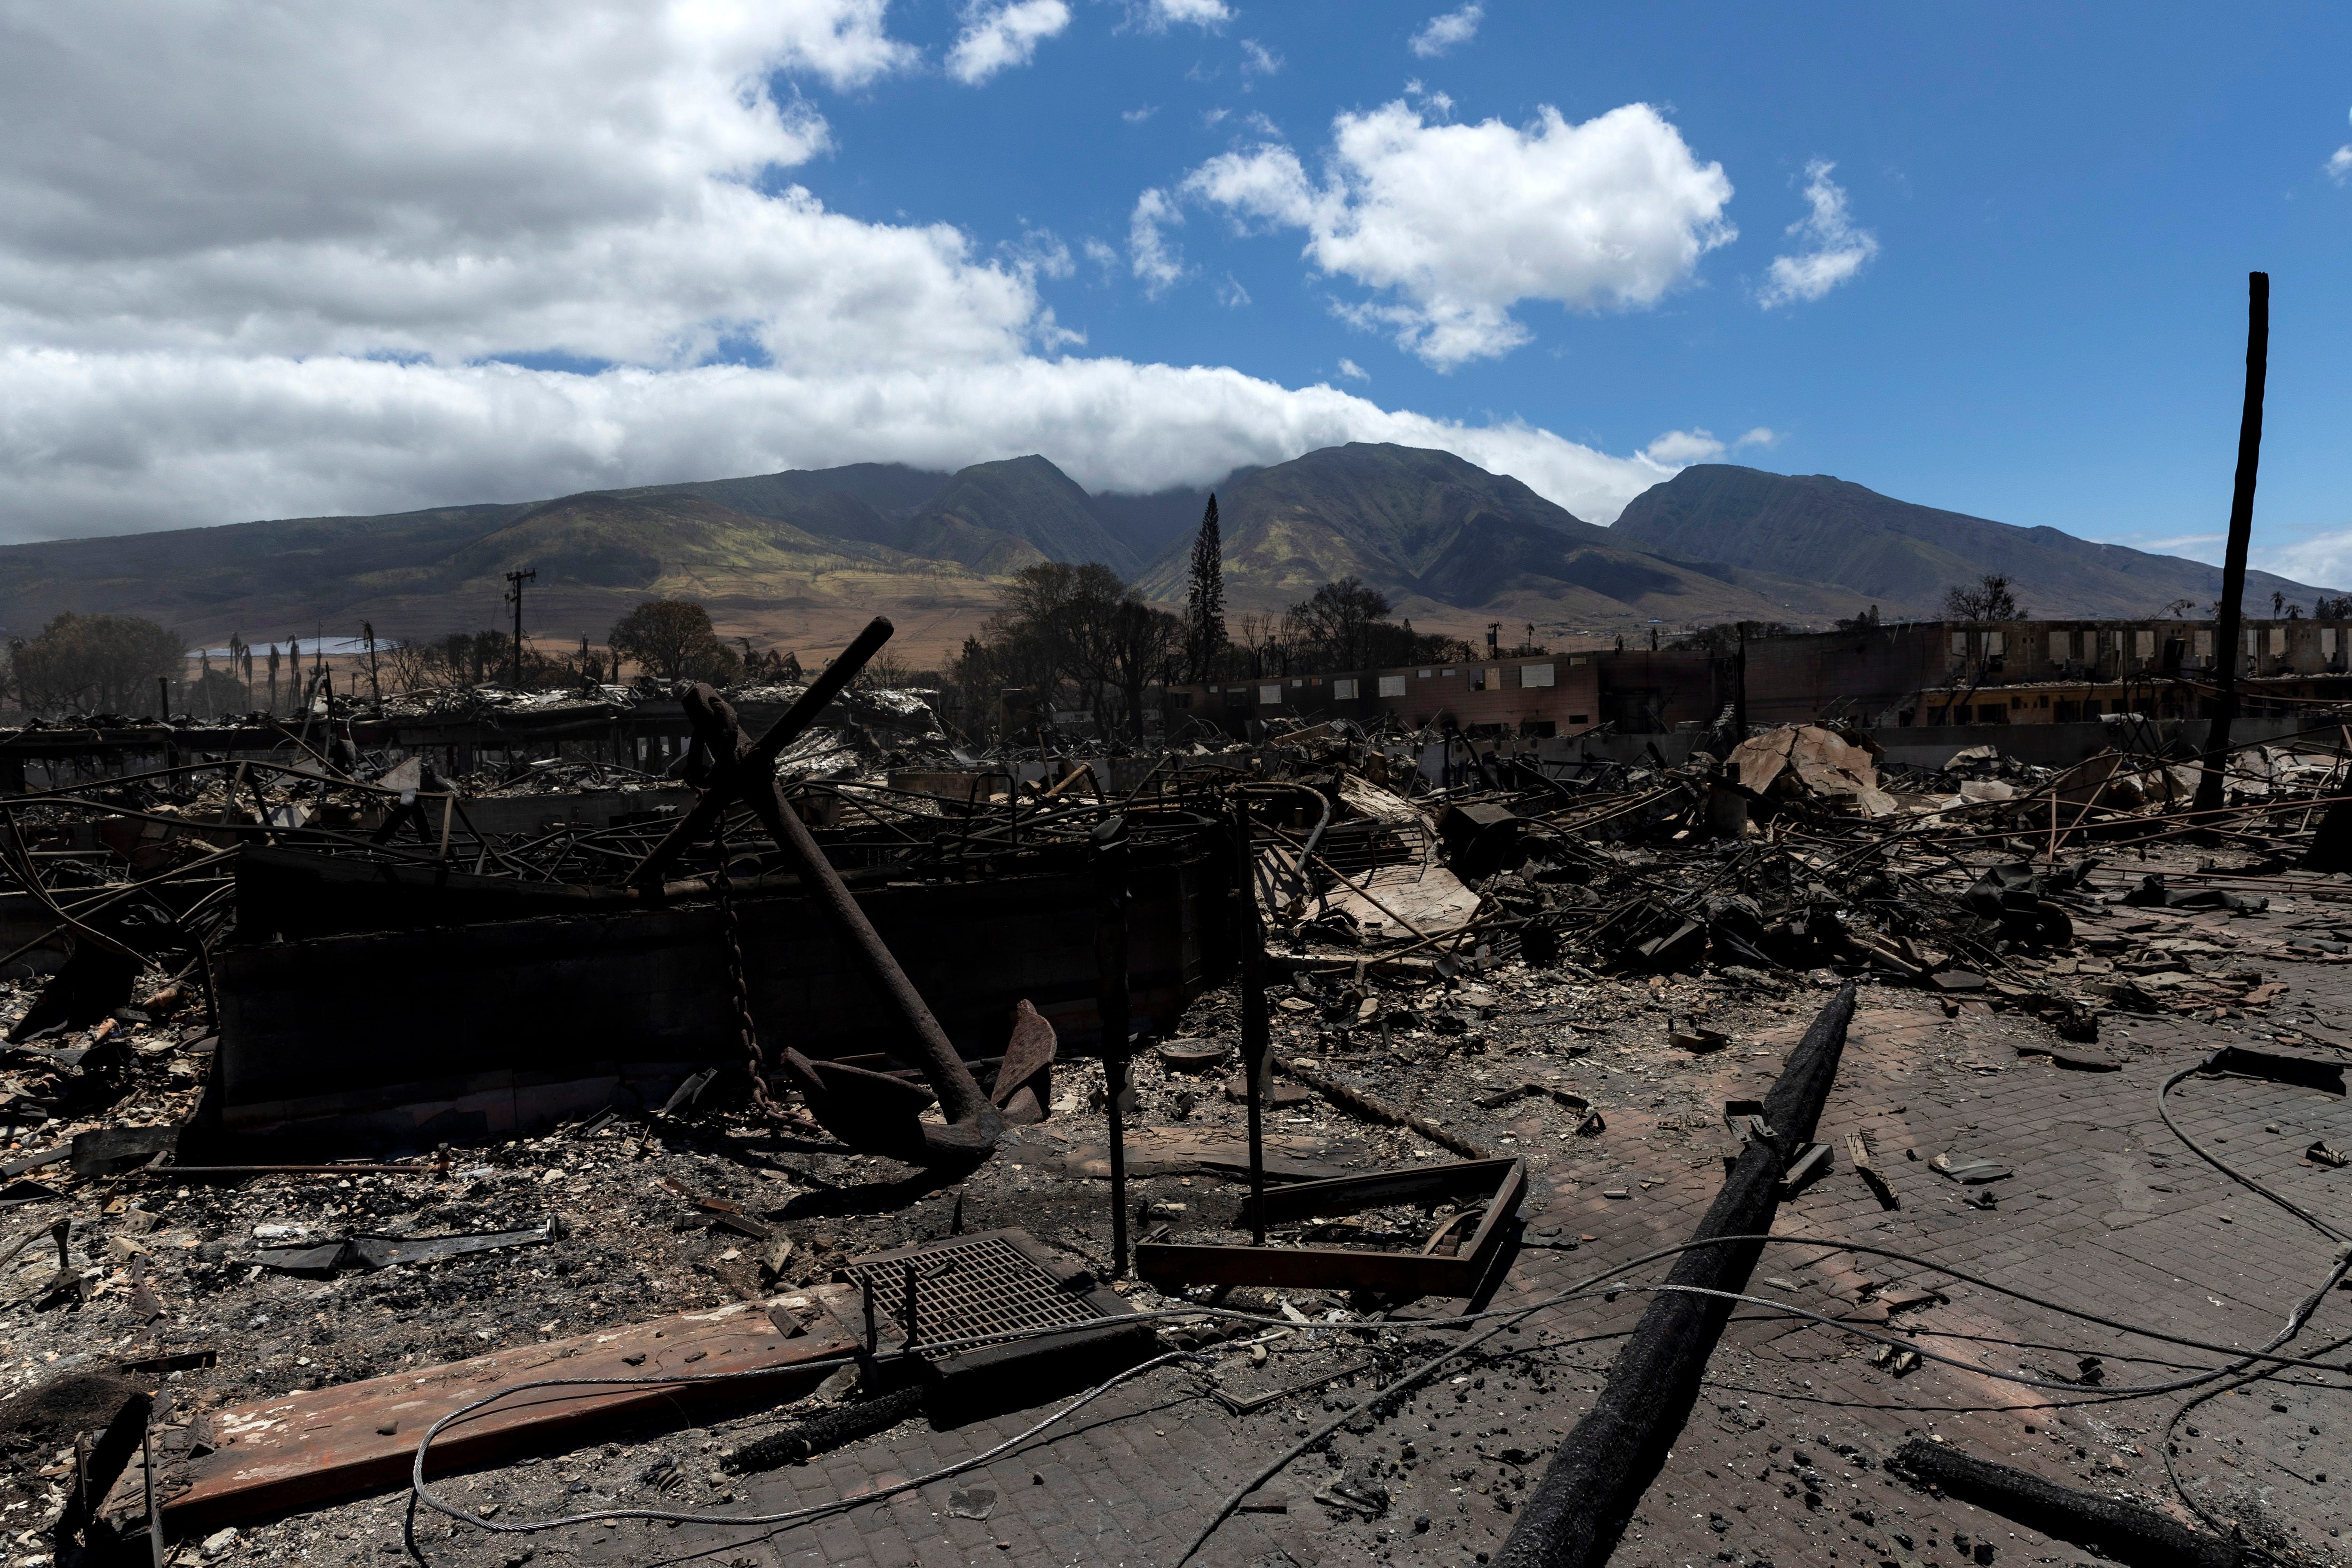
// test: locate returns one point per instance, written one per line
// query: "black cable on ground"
(2229, 1169)
(1605, 1281)
(790, 1516)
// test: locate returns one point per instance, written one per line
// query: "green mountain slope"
(999, 517)
(800, 558)
(1901, 556)
(1437, 534)
(892, 489)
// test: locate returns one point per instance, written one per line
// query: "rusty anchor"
(869, 1110)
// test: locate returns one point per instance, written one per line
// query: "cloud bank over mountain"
(267, 263)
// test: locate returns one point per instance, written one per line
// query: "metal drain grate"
(970, 1286)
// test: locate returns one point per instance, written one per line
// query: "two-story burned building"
(1893, 675)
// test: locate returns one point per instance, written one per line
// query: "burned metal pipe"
(1574, 1517)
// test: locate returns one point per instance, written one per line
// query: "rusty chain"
(739, 982)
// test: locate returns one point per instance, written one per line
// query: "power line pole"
(514, 597)
(2234, 560)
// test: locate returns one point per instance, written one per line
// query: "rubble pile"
(1303, 1047)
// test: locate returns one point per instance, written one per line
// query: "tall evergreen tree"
(1204, 602)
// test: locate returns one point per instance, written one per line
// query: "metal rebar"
(1107, 844)
(1255, 1033)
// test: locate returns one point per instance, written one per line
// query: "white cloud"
(570, 177)
(1429, 97)
(2324, 561)
(2197, 544)
(1678, 448)
(104, 441)
(1257, 59)
(1761, 435)
(1450, 30)
(267, 262)
(1161, 14)
(1138, 116)
(1462, 222)
(1102, 254)
(1158, 265)
(1354, 372)
(1231, 294)
(1836, 249)
(1000, 33)
(2339, 166)
(1039, 252)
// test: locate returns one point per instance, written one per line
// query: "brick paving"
(1781, 1461)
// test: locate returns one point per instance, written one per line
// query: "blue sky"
(2065, 200)
(1989, 259)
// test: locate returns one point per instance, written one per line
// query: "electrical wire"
(2227, 1169)
(426, 1494)
(1606, 1282)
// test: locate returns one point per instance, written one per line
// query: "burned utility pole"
(376, 684)
(514, 597)
(2241, 527)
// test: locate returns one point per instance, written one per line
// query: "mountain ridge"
(1903, 555)
(801, 557)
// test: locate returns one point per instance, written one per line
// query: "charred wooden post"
(1109, 845)
(2124, 1530)
(102, 1466)
(1256, 1034)
(1573, 1516)
(2241, 527)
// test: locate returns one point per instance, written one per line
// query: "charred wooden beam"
(1574, 1517)
(2124, 1530)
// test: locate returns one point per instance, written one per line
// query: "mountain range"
(799, 559)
